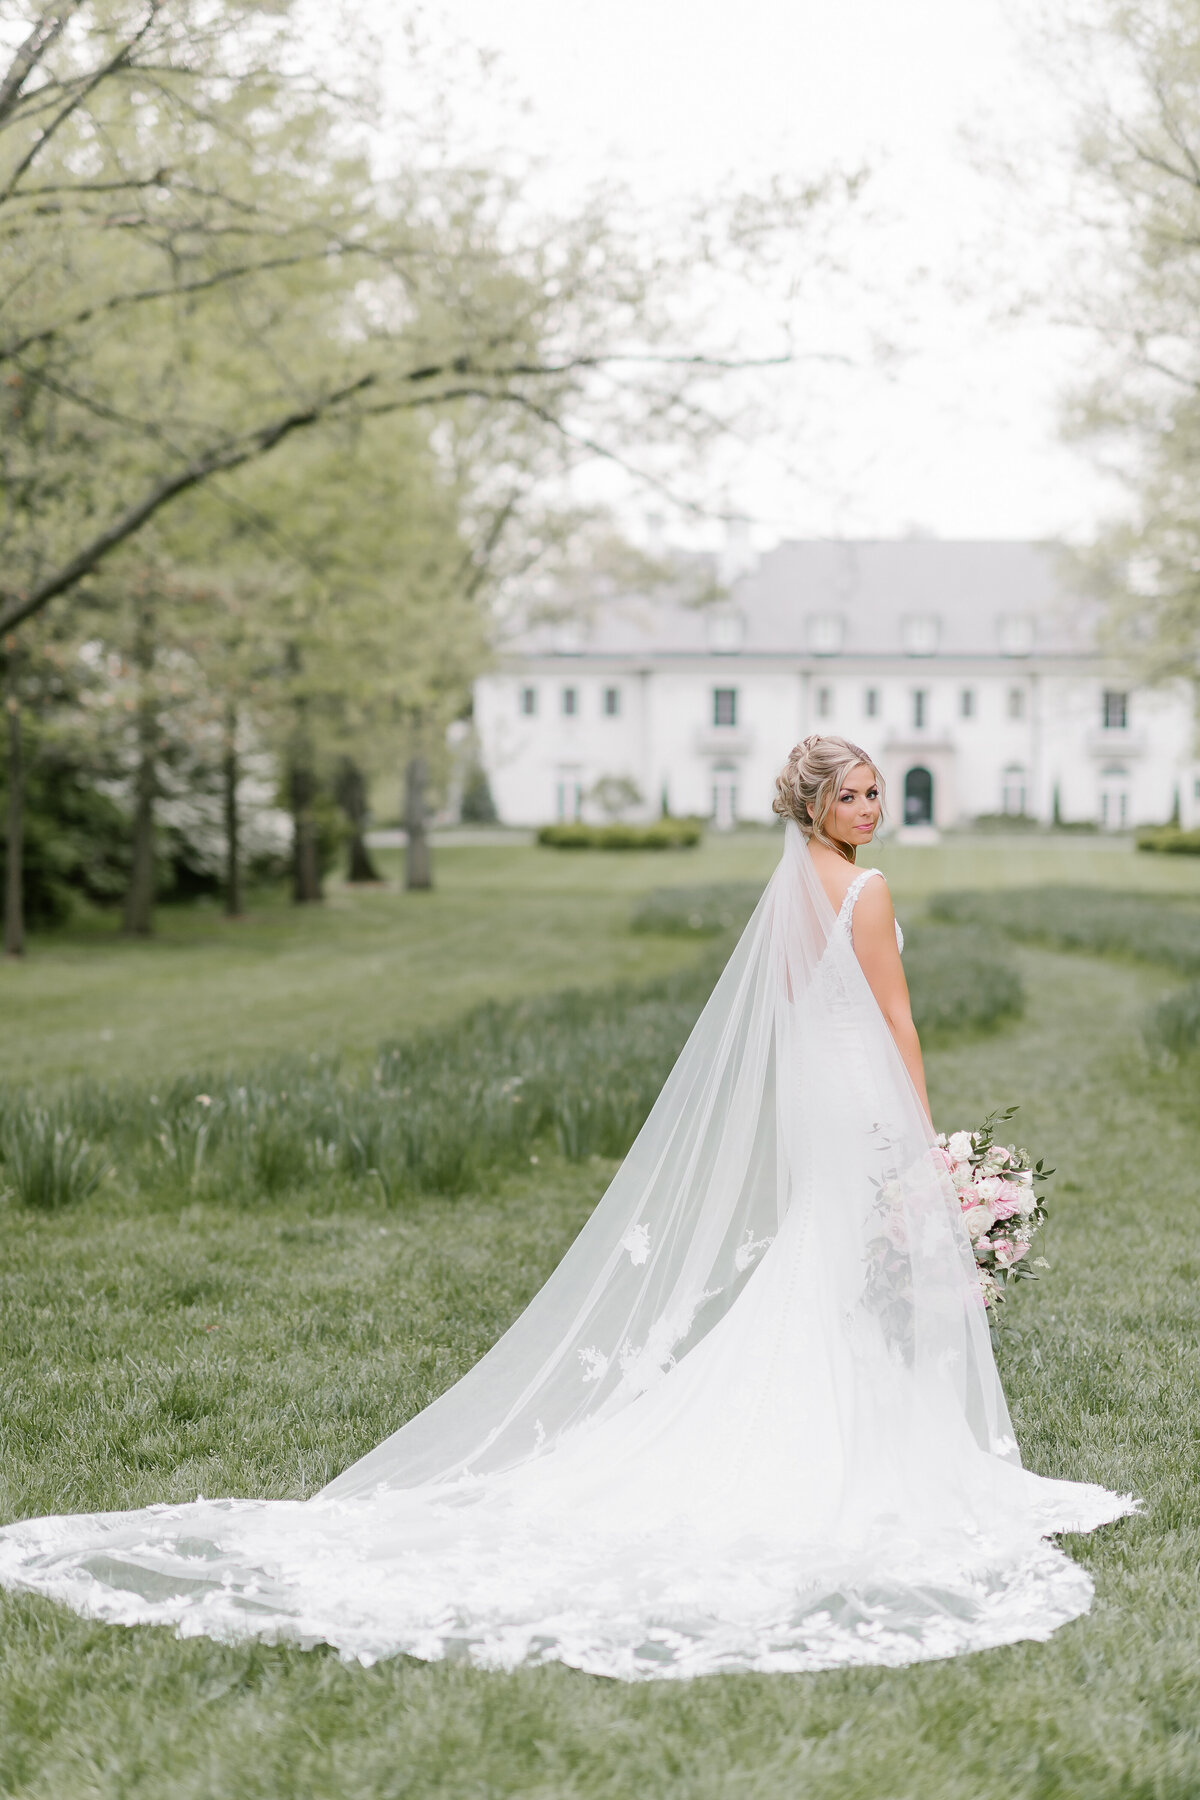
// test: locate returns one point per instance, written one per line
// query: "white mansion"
(967, 670)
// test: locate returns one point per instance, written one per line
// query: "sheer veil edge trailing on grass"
(752, 1421)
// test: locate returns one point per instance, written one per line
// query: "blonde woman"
(834, 793)
(751, 1422)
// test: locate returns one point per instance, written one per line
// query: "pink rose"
(1006, 1203)
(1007, 1253)
(999, 1154)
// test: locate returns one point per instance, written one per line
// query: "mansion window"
(724, 706)
(825, 632)
(966, 703)
(1016, 703)
(612, 703)
(1115, 710)
(1014, 791)
(724, 799)
(1016, 634)
(569, 799)
(920, 634)
(824, 703)
(726, 631)
(871, 703)
(920, 708)
(529, 702)
(570, 702)
(1114, 798)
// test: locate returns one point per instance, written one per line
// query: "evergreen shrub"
(1169, 840)
(664, 834)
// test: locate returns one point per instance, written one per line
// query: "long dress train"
(751, 1422)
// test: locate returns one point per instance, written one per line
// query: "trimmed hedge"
(664, 834)
(1170, 840)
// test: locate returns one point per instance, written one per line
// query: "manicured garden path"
(152, 1349)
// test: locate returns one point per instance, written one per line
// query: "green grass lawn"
(504, 921)
(153, 1347)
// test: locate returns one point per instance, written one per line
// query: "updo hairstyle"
(809, 783)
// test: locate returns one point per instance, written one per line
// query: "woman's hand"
(873, 928)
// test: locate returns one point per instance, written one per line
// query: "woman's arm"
(873, 927)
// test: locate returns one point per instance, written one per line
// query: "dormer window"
(1016, 634)
(826, 633)
(919, 634)
(726, 631)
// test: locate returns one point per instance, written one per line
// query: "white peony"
(959, 1145)
(988, 1187)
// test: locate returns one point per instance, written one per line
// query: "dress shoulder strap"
(853, 891)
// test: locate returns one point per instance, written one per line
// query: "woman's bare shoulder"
(835, 874)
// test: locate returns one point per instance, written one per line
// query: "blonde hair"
(809, 781)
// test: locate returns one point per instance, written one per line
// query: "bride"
(752, 1420)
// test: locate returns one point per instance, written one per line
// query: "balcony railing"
(724, 740)
(1116, 740)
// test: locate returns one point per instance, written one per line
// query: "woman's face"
(855, 811)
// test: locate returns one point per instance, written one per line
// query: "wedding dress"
(752, 1421)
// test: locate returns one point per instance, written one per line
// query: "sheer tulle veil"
(752, 1420)
(789, 1080)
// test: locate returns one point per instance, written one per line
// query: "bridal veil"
(751, 1421)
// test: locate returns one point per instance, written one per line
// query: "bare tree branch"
(89, 86)
(46, 31)
(142, 296)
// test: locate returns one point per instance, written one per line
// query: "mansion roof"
(868, 598)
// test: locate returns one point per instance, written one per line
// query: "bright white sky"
(672, 95)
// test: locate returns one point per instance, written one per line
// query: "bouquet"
(997, 1189)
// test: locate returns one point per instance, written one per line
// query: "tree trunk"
(233, 854)
(306, 851)
(14, 849)
(139, 898)
(352, 798)
(417, 870)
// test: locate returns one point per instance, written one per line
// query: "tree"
(14, 857)
(1135, 289)
(203, 274)
(171, 177)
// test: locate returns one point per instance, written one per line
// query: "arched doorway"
(918, 797)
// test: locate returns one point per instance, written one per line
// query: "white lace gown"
(797, 1479)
